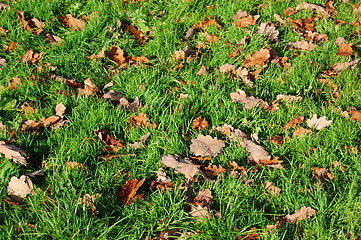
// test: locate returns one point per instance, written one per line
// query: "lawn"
(182, 119)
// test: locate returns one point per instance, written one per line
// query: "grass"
(241, 206)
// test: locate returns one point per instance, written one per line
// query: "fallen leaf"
(206, 146)
(113, 95)
(211, 38)
(269, 31)
(33, 24)
(31, 57)
(51, 38)
(11, 47)
(302, 45)
(337, 164)
(3, 6)
(181, 165)
(249, 102)
(76, 165)
(110, 156)
(322, 175)
(162, 182)
(294, 122)
(28, 108)
(60, 110)
(356, 114)
(245, 22)
(310, 6)
(250, 234)
(101, 54)
(246, 76)
(89, 88)
(89, 200)
(342, 66)
(240, 14)
(116, 54)
(2, 127)
(302, 25)
(200, 123)
(141, 142)
(113, 145)
(136, 32)
(2, 62)
(129, 191)
(315, 37)
(289, 11)
(19, 188)
(288, 98)
(276, 139)
(14, 83)
(345, 50)
(202, 71)
(227, 68)
(12, 152)
(303, 214)
(258, 58)
(318, 123)
(301, 132)
(272, 189)
(71, 22)
(141, 120)
(201, 204)
(279, 19)
(213, 170)
(226, 129)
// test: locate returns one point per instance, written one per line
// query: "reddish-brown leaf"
(89, 88)
(129, 191)
(301, 132)
(141, 120)
(213, 170)
(101, 54)
(294, 122)
(51, 38)
(245, 22)
(76, 165)
(14, 83)
(31, 57)
(200, 123)
(11, 46)
(345, 50)
(116, 54)
(276, 139)
(356, 114)
(258, 58)
(71, 22)
(113, 145)
(250, 234)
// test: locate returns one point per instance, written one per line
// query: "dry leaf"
(337, 164)
(240, 14)
(269, 31)
(226, 129)
(303, 214)
(14, 83)
(19, 188)
(101, 54)
(141, 142)
(116, 54)
(258, 58)
(310, 6)
(206, 146)
(2, 62)
(141, 120)
(76, 165)
(318, 123)
(33, 24)
(89, 200)
(71, 22)
(31, 57)
(227, 68)
(251, 234)
(213, 170)
(279, 19)
(288, 98)
(28, 107)
(113, 95)
(12, 152)
(2, 127)
(302, 45)
(322, 175)
(11, 47)
(201, 204)
(163, 181)
(129, 191)
(89, 88)
(294, 122)
(113, 145)
(202, 71)
(200, 123)
(245, 22)
(276, 139)
(301, 132)
(345, 50)
(289, 11)
(272, 189)
(356, 114)
(249, 102)
(51, 38)
(184, 166)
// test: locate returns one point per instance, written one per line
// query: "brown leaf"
(101, 54)
(272, 189)
(11, 47)
(301, 26)
(200, 123)
(227, 68)
(288, 98)
(294, 122)
(250, 234)
(116, 54)
(113, 145)
(71, 22)
(12, 152)
(269, 31)
(163, 181)
(356, 114)
(310, 6)
(129, 191)
(289, 11)
(258, 58)
(2, 127)
(345, 50)
(141, 142)
(76, 165)
(89, 200)
(213, 170)
(33, 24)
(51, 38)
(211, 38)
(206, 146)
(4, 6)
(2, 62)
(249, 102)
(301, 131)
(318, 123)
(245, 22)
(60, 110)
(337, 164)
(226, 129)
(202, 71)
(302, 45)
(201, 204)
(31, 57)
(240, 14)
(19, 188)
(303, 214)
(14, 83)
(276, 139)
(89, 88)
(140, 120)
(28, 107)
(181, 165)
(322, 175)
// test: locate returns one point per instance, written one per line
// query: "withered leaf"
(245, 22)
(303, 214)
(294, 122)
(71, 22)
(2, 127)
(184, 166)
(277, 139)
(322, 175)
(31, 57)
(89, 88)
(113, 145)
(356, 114)
(213, 170)
(51, 38)
(101, 54)
(201, 204)
(141, 120)
(250, 234)
(227, 68)
(301, 132)
(200, 123)
(302, 45)
(11, 46)
(258, 58)
(249, 102)
(14, 83)
(269, 31)
(310, 6)
(345, 50)
(3, 6)
(33, 24)
(272, 189)
(113, 95)
(206, 146)
(202, 71)
(116, 54)
(288, 98)
(141, 142)
(12, 152)
(129, 191)
(240, 14)
(28, 107)
(73, 165)
(89, 200)
(19, 188)
(318, 123)
(163, 181)
(226, 129)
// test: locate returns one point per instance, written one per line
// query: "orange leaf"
(200, 123)
(294, 122)
(345, 50)
(129, 190)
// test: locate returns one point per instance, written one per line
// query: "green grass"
(240, 205)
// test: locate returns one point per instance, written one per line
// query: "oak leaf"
(181, 165)
(302, 45)
(141, 120)
(113, 145)
(116, 54)
(51, 38)
(213, 170)
(310, 6)
(318, 123)
(356, 114)
(345, 50)
(322, 175)
(31, 57)
(288, 98)
(141, 142)
(248, 101)
(277, 139)
(12, 152)
(245, 22)
(272, 189)
(71, 22)
(162, 182)
(269, 31)
(202, 71)
(33, 24)
(73, 165)
(257, 58)
(200, 123)
(206, 146)
(89, 88)
(303, 214)
(14, 83)
(100, 54)
(301, 132)
(129, 191)
(89, 200)
(19, 188)
(294, 122)
(201, 204)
